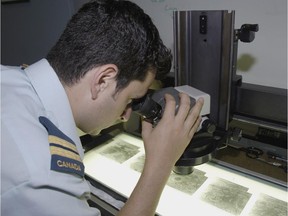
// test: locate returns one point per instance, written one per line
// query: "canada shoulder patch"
(64, 153)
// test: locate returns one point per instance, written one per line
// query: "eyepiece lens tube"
(152, 105)
(147, 108)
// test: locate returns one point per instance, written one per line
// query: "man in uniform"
(109, 54)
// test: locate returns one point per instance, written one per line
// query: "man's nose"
(126, 114)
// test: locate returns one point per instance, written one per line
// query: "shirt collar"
(53, 97)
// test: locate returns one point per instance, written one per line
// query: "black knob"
(208, 126)
(246, 33)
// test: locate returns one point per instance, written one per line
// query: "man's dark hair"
(104, 32)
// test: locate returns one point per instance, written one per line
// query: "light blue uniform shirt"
(41, 173)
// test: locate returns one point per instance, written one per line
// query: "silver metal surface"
(205, 60)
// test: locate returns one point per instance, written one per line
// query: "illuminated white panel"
(210, 190)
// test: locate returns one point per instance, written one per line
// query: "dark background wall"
(29, 29)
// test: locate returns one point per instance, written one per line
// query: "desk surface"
(210, 190)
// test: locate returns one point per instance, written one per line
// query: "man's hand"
(167, 141)
(164, 144)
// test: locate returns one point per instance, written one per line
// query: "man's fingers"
(193, 119)
(146, 128)
(195, 126)
(184, 107)
(170, 104)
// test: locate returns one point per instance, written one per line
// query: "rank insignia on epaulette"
(64, 154)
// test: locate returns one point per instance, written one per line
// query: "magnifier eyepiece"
(146, 107)
(152, 105)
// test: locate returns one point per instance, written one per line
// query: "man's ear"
(102, 76)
